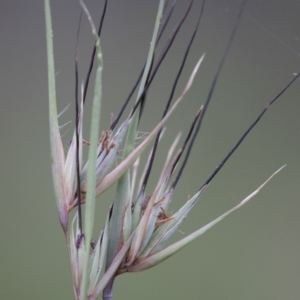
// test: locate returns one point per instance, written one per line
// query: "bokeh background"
(254, 253)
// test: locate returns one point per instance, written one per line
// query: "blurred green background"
(253, 254)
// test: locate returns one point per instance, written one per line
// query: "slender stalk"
(91, 177)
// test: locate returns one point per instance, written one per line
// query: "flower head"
(139, 224)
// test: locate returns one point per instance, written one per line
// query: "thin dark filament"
(163, 26)
(76, 128)
(212, 88)
(165, 23)
(166, 4)
(246, 133)
(174, 183)
(221, 64)
(161, 58)
(183, 148)
(88, 75)
(142, 99)
(116, 120)
(172, 94)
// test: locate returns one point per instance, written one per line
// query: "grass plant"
(139, 225)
